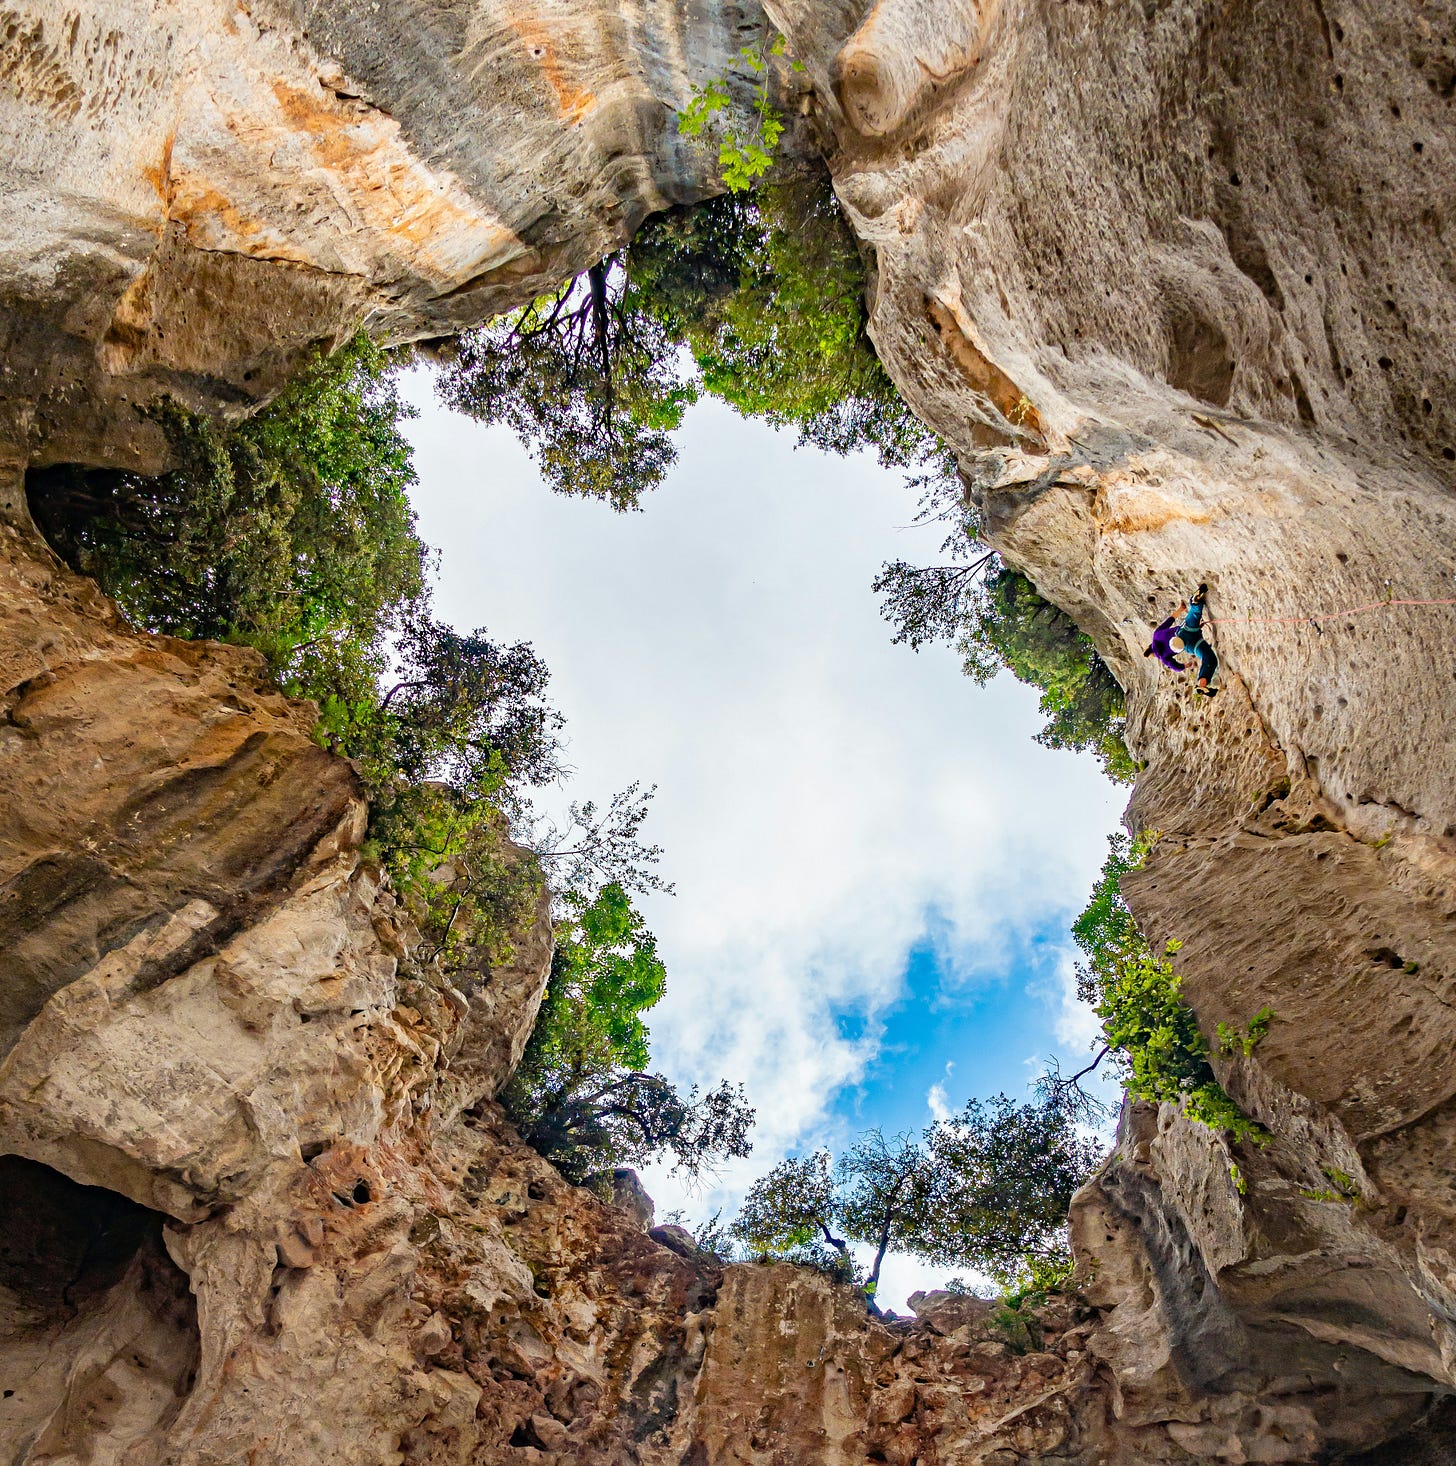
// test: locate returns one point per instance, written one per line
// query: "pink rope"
(1320, 615)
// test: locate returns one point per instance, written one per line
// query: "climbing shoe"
(1206, 691)
(1201, 594)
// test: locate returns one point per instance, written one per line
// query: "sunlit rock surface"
(193, 196)
(1177, 282)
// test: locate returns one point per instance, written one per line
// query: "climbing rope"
(1317, 616)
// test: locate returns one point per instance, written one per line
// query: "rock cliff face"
(192, 197)
(1177, 282)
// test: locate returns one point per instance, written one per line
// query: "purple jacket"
(1162, 645)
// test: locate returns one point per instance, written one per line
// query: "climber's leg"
(1207, 667)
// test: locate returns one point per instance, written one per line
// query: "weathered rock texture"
(1177, 282)
(192, 197)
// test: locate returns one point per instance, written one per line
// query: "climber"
(1191, 638)
(1161, 645)
(1171, 637)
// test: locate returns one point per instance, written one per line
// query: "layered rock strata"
(192, 198)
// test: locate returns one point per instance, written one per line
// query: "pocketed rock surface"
(1176, 281)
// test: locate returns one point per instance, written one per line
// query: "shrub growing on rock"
(1149, 1031)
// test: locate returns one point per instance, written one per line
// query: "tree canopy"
(582, 1094)
(1149, 1031)
(587, 377)
(755, 298)
(987, 1189)
(289, 526)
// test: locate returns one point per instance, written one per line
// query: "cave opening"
(99, 1325)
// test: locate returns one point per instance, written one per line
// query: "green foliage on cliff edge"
(988, 1188)
(757, 299)
(1148, 1028)
(291, 532)
(994, 617)
(289, 526)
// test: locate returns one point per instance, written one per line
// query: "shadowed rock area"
(1177, 283)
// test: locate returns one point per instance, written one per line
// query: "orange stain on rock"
(353, 161)
(982, 374)
(572, 101)
(160, 175)
(362, 149)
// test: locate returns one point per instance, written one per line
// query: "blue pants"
(1194, 641)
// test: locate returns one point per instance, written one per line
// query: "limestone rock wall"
(194, 196)
(1176, 281)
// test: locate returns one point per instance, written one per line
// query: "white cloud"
(822, 792)
(937, 1100)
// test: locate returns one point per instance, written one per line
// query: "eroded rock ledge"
(1177, 282)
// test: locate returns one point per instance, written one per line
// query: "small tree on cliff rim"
(586, 377)
(987, 1189)
(582, 1095)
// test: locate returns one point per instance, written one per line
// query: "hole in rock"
(1199, 360)
(361, 1192)
(525, 1435)
(77, 1263)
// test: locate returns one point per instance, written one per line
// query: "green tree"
(988, 1189)
(995, 618)
(584, 376)
(290, 527)
(794, 1213)
(767, 290)
(755, 298)
(582, 1095)
(1005, 1177)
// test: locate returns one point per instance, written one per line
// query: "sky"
(875, 863)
